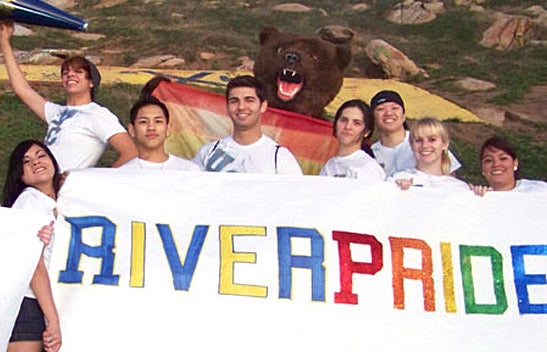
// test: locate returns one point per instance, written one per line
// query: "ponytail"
(446, 165)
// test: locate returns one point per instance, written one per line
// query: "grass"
(230, 28)
(530, 151)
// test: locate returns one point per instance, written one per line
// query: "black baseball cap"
(385, 96)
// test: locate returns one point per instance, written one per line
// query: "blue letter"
(288, 261)
(522, 280)
(76, 248)
(182, 274)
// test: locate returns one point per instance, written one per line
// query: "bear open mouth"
(289, 83)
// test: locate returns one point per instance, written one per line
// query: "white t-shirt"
(31, 198)
(530, 186)
(355, 165)
(422, 179)
(78, 135)
(172, 163)
(264, 156)
(400, 157)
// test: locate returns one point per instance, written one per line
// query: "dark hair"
(368, 120)
(92, 72)
(146, 100)
(246, 81)
(152, 84)
(14, 185)
(501, 144)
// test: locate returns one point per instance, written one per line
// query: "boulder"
(158, 61)
(493, 115)
(336, 34)
(360, 7)
(21, 31)
(509, 33)
(468, 2)
(392, 61)
(474, 85)
(538, 15)
(62, 4)
(88, 36)
(411, 12)
(108, 3)
(246, 64)
(292, 7)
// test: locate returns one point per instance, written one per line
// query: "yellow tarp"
(419, 102)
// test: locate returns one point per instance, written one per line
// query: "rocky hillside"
(460, 49)
(486, 55)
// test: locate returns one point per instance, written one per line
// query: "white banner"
(20, 251)
(171, 261)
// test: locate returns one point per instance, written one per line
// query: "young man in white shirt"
(392, 150)
(79, 131)
(247, 150)
(149, 127)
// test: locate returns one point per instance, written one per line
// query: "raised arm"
(22, 88)
(125, 147)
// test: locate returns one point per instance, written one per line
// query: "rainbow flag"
(199, 116)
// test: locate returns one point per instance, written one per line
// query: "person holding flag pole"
(79, 131)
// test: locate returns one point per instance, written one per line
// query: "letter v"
(182, 274)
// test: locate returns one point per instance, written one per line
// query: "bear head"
(300, 73)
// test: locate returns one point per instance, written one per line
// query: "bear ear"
(343, 54)
(268, 34)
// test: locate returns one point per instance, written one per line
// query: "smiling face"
(498, 168)
(38, 168)
(150, 128)
(76, 80)
(245, 108)
(429, 142)
(350, 127)
(389, 117)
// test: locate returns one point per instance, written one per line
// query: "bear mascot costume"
(300, 73)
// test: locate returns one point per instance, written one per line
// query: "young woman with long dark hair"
(32, 182)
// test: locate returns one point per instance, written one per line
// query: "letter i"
(448, 278)
(138, 241)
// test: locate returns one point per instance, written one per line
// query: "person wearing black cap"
(392, 150)
(79, 131)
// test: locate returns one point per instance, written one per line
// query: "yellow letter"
(228, 258)
(448, 278)
(138, 239)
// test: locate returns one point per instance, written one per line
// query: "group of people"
(418, 156)
(79, 131)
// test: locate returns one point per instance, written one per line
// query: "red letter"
(349, 267)
(400, 273)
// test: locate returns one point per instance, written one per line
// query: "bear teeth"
(291, 76)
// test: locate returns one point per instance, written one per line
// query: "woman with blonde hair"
(429, 141)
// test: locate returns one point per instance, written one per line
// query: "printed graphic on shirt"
(218, 161)
(55, 126)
